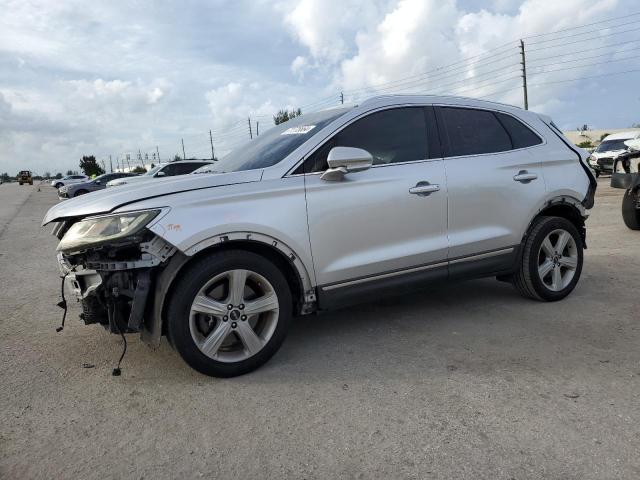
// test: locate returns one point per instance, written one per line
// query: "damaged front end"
(109, 263)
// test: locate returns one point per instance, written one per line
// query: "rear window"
(474, 132)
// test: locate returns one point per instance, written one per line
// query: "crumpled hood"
(107, 200)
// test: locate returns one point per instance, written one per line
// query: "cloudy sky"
(111, 78)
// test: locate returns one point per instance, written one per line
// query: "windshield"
(609, 145)
(275, 144)
(153, 170)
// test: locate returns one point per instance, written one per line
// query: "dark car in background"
(98, 183)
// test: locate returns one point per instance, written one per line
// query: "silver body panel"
(369, 223)
(379, 225)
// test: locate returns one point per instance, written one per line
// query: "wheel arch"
(564, 207)
(280, 254)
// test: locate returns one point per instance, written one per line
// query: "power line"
(581, 26)
(536, 42)
(582, 58)
(598, 37)
(581, 66)
(585, 77)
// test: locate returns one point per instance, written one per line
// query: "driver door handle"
(424, 189)
(525, 177)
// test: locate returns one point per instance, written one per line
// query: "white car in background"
(171, 169)
(68, 180)
(602, 158)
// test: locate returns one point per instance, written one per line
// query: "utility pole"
(104, 169)
(257, 129)
(342, 98)
(213, 157)
(184, 155)
(250, 132)
(110, 164)
(158, 152)
(128, 164)
(524, 76)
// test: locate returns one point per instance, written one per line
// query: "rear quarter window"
(521, 135)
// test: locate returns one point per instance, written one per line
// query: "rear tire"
(250, 322)
(551, 261)
(630, 214)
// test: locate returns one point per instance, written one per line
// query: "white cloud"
(405, 38)
(132, 94)
(103, 78)
(299, 65)
(325, 27)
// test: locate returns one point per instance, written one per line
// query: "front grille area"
(605, 162)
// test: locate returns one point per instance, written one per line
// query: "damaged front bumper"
(113, 283)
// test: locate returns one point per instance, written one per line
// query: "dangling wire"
(62, 303)
(116, 372)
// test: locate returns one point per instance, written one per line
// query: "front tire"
(80, 192)
(58, 185)
(631, 214)
(229, 313)
(551, 261)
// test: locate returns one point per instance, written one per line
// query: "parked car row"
(77, 185)
(172, 169)
(83, 187)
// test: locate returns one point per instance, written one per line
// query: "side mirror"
(97, 182)
(161, 174)
(343, 160)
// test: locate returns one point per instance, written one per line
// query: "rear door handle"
(424, 189)
(525, 177)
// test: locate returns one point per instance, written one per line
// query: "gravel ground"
(467, 380)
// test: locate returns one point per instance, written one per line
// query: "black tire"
(526, 279)
(20, 183)
(189, 284)
(630, 214)
(58, 185)
(597, 173)
(80, 192)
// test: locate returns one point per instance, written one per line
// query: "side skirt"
(399, 282)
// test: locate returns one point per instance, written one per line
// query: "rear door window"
(473, 132)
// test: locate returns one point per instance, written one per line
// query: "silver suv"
(328, 209)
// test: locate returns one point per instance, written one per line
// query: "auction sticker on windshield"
(301, 130)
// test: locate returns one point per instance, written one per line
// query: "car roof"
(436, 99)
(187, 161)
(623, 135)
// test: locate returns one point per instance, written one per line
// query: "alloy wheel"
(557, 260)
(234, 315)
